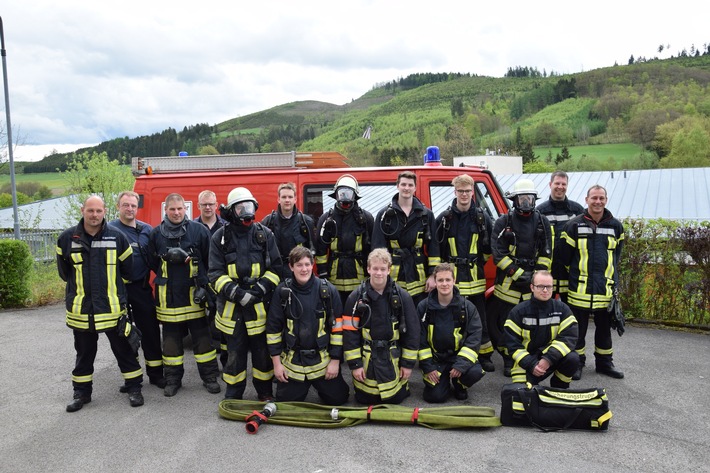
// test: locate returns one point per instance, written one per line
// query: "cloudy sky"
(81, 72)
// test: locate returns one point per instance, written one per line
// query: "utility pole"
(9, 135)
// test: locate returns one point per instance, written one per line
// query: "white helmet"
(523, 196)
(346, 192)
(242, 205)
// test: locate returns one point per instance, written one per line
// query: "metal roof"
(673, 194)
(49, 214)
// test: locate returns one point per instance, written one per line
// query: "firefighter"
(94, 259)
(464, 235)
(290, 226)
(559, 210)
(521, 243)
(178, 251)
(207, 203)
(591, 250)
(138, 290)
(450, 339)
(343, 237)
(540, 335)
(244, 268)
(305, 335)
(405, 227)
(380, 335)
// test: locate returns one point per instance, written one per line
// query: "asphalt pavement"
(661, 418)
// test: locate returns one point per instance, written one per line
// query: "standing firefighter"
(591, 247)
(450, 340)
(290, 226)
(94, 259)
(380, 335)
(405, 227)
(521, 243)
(559, 210)
(343, 238)
(305, 336)
(244, 268)
(464, 235)
(178, 250)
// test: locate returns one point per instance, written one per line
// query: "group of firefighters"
(402, 287)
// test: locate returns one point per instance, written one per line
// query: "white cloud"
(82, 71)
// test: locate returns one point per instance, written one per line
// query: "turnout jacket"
(376, 339)
(521, 245)
(298, 230)
(540, 329)
(138, 237)
(95, 269)
(411, 241)
(558, 213)
(175, 283)
(591, 252)
(465, 241)
(449, 334)
(342, 257)
(246, 256)
(304, 326)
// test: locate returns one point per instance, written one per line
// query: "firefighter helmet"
(346, 192)
(242, 205)
(523, 196)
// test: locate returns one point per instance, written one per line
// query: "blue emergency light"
(432, 156)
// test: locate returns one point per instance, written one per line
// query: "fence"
(42, 243)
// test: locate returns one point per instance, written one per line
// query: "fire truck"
(314, 175)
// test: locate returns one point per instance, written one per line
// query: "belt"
(380, 343)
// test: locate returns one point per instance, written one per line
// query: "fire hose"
(306, 414)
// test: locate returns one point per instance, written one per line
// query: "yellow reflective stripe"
(262, 375)
(408, 354)
(83, 379)
(222, 281)
(353, 354)
(154, 363)
(274, 338)
(132, 374)
(424, 354)
(234, 379)
(206, 357)
(173, 360)
(469, 354)
(273, 277)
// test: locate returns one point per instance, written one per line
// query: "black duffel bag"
(553, 408)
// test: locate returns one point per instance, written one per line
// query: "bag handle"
(526, 400)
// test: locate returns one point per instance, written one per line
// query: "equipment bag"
(552, 409)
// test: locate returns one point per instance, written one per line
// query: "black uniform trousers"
(140, 297)
(602, 335)
(566, 366)
(479, 300)
(496, 314)
(173, 348)
(333, 392)
(239, 344)
(371, 399)
(443, 389)
(86, 346)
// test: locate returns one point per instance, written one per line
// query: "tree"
(95, 174)
(207, 150)
(690, 148)
(560, 158)
(527, 153)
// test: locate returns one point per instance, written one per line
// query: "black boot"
(486, 363)
(610, 370)
(78, 401)
(507, 366)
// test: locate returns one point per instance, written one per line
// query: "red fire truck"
(313, 173)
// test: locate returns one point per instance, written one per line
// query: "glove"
(200, 295)
(525, 279)
(249, 298)
(176, 256)
(233, 292)
(328, 231)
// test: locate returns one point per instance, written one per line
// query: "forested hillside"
(663, 106)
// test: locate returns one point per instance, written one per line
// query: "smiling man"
(304, 334)
(540, 335)
(450, 340)
(591, 250)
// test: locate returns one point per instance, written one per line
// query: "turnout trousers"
(142, 303)
(173, 350)
(86, 346)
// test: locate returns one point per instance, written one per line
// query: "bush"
(15, 265)
(665, 271)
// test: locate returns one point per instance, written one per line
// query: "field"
(598, 157)
(53, 180)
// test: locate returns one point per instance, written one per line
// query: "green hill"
(660, 106)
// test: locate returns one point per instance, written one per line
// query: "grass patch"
(54, 180)
(45, 285)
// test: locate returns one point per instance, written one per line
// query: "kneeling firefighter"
(244, 266)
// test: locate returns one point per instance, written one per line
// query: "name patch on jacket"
(553, 319)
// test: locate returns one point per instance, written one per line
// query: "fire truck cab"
(314, 175)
